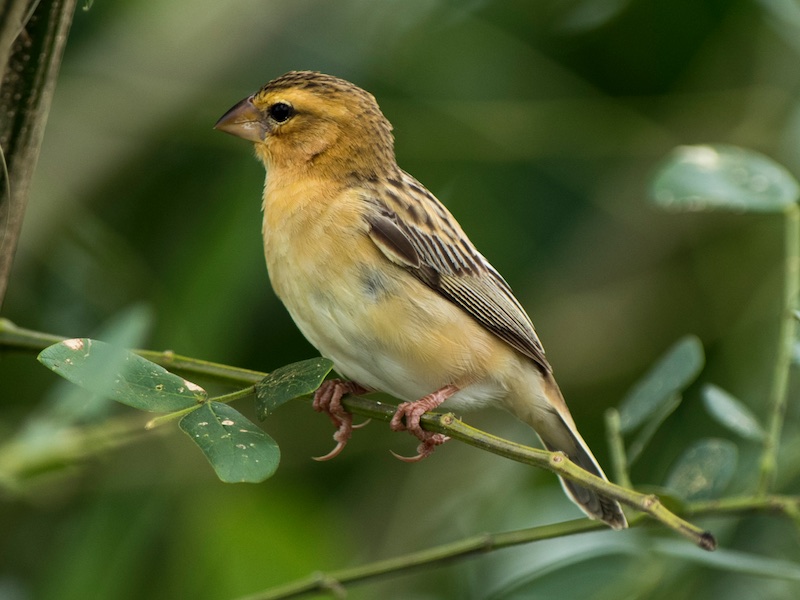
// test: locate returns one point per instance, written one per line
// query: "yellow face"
(310, 119)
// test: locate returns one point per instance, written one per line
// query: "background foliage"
(540, 125)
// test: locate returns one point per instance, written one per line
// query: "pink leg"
(328, 399)
(407, 418)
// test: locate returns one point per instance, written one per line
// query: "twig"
(787, 505)
(447, 424)
(21, 460)
(616, 446)
(13, 337)
(780, 378)
(557, 462)
(484, 543)
(472, 546)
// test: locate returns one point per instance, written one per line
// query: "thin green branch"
(556, 462)
(13, 337)
(616, 446)
(786, 339)
(170, 417)
(787, 505)
(447, 424)
(210, 370)
(472, 546)
(337, 581)
(21, 459)
(247, 392)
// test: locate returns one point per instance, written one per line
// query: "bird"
(381, 279)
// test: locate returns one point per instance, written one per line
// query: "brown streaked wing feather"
(436, 251)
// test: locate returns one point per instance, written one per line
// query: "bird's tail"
(558, 433)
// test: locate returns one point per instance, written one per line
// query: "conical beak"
(243, 120)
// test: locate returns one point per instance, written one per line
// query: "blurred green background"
(540, 125)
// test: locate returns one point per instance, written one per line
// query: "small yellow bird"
(381, 279)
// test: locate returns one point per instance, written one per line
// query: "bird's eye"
(281, 111)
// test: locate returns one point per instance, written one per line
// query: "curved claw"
(425, 449)
(360, 425)
(332, 454)
(410, 459)
(328, 400)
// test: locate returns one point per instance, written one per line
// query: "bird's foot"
(407, 418)
(328, 400)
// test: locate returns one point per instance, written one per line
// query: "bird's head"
(305, 119)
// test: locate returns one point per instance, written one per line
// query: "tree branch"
(13, 337)
(786, 339)
(557, 462)
(472, 546)
(448, 424)
(335, 582)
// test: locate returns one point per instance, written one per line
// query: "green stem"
(170, 417)
(786, 339)
(336, 581)
(248, 392)
(616, 446)
(787, 505)
(20, 460)
(226, 398)
(556, 462)
(13, 337)
(479, 544)
(18, 338)
(194, 366)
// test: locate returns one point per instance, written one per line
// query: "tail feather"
(557, 431)
(595, 506)
(538, 401)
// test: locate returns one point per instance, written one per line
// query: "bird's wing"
(414, 230)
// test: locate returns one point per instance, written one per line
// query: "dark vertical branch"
(32, 40)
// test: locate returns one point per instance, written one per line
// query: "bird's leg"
(407, 418)
(328, 400)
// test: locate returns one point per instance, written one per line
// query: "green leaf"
(289, 382)
(731, 413)
(121, 375)
(662, 383)
(723, 177)
(740, 563)
(237, 449)
(704, 470)
(69, 403)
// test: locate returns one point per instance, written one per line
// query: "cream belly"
(385, 336)
(379, 325)
(390, 341)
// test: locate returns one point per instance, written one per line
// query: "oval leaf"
(237, 449)
(723, 177)
(69, 403)
(289, 382)
(731, 413)
(704, 470)
(662, 383)
(735, 561)
(121, 375)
